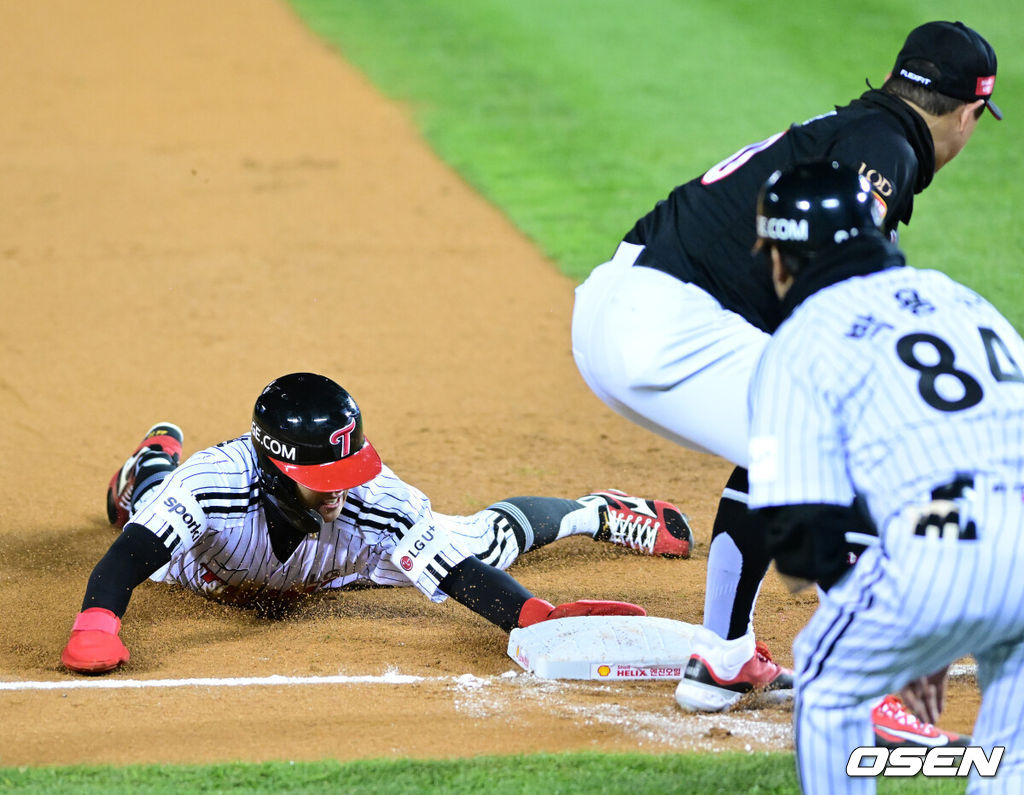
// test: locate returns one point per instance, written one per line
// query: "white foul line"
(275, 680)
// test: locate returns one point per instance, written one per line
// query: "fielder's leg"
(737, 563)
(727, 662)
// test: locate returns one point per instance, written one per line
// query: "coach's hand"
(536, 610)
(926, 696)
(94, 646)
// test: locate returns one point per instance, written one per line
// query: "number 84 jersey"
(886, 386)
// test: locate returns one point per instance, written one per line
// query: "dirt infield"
(199, 198)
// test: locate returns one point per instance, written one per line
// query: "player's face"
(326, 503)
(959, 127)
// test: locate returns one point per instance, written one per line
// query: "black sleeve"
(809, 541)
(135, 555)
(489, 591)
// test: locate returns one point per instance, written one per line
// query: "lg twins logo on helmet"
(272, 445)
(782, 228)
(343, 436)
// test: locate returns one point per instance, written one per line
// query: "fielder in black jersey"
(696, 235)
(303, 503)
(667, 332)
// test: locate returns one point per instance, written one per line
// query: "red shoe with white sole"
(702, 690)
(164, 440)
(897, 727)
(653, 527)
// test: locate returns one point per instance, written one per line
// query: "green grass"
(575, 116)
(632, 774)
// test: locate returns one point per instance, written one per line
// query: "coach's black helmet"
(813, 206)
(307, 429)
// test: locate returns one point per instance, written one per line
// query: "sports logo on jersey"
(190, 523)
(343, 436)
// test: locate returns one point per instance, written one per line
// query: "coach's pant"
(907, 609)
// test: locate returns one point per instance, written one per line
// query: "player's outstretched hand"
(94, 646)
(536, 610)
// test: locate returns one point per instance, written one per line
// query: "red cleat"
(653, 527)
(164, 438)
(702, 690)
(897, 727)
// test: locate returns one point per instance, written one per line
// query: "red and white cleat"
(163, 439)
(897, 727)
(653, 527)
(703, 690)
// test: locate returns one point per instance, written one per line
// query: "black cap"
(950, 58)
(311, 429)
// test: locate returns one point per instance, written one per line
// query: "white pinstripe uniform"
(885, 387)
(208, 515)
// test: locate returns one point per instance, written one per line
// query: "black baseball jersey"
(703, 232)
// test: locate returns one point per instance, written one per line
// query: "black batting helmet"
(306, 429)
(814, 206)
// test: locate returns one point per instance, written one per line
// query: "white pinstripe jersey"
(208, 515)
(885, 386)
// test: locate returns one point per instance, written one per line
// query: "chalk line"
(278, 680)
(275, 680)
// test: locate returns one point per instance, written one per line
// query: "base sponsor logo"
(405, 563)
(620, 671)
(941, 762)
